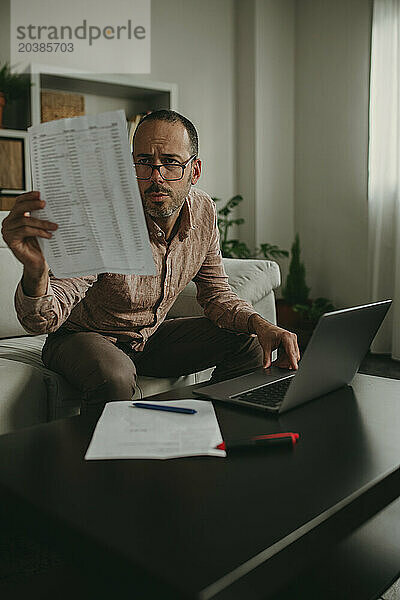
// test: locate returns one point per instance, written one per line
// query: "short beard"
(163, 211)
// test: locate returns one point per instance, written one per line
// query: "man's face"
(157, 143)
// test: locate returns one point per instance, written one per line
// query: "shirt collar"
(185, 225)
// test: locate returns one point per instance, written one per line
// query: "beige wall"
(193, 45)
(245, 121)
(331, 140)
(265, 120)
(275, 68)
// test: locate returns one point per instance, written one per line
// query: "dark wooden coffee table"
(202, 528)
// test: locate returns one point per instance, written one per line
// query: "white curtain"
(384, 170)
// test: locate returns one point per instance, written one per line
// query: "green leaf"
(270, 251)
(312, 312)
(236, 248)
(13, 85)
(234, 201)
(235, 222)
(224, 211)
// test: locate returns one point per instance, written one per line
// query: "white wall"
(4, 30)
(265, 120)
(332, 80)
(303, 69)
(275, 68)
(192, 44)
(245, 117)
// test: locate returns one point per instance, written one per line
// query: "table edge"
(249, 565)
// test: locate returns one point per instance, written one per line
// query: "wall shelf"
(132, 93)
(102, 92)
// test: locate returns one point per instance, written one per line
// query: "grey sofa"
(31, 394)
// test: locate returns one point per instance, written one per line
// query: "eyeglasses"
(168, 171)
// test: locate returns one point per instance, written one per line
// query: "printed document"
(126, 431)
(83, 169)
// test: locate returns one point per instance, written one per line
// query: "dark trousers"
(104, 371)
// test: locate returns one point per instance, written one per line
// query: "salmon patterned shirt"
(131, 307)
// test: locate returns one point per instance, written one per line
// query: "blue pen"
(177, 409)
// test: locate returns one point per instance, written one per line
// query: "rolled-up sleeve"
(214, 294)
(45, 314)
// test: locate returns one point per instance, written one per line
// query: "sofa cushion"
(63, 398)
(252, 280)
(26, 349)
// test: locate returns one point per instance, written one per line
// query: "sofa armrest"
(23, 396)
(252, 280)
(10, 275)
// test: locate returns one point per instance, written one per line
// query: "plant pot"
(293, 321)
(2, 105)
(286, 317)
(304, 333)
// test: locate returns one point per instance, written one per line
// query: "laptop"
(334, 353)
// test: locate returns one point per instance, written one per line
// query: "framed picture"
(15, 168)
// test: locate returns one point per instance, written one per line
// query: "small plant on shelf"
(234, 248)
(12, 87)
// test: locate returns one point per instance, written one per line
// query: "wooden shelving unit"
(102, 92)
(23, 167)
(132, 93)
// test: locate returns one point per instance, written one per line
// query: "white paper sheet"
(124, 431)
(83, 168)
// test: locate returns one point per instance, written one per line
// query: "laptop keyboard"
(268, 395)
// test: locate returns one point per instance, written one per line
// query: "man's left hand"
(271, 338)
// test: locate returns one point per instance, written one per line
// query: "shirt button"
(159, 234)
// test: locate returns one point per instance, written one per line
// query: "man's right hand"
(20, 232)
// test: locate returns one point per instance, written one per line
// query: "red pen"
(268, 439)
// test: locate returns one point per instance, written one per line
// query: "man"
(104, 329)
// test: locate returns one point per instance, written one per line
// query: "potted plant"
(295, 311)
(12, 87)
(233, 248)
(295, 292)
